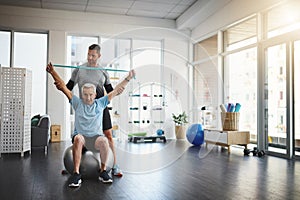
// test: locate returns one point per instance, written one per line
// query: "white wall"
(57, 102)
(61, 23)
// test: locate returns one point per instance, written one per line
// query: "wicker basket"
(230, 121)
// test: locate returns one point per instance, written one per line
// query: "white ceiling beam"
(198, 13)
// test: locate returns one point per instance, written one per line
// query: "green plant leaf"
(180, 119)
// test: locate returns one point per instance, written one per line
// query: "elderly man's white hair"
(88, 85)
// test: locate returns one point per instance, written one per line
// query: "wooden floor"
(185, 172)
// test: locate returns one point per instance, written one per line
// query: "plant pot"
(180, 132)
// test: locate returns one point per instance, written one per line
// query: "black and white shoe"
(75, 180)
(105, 178)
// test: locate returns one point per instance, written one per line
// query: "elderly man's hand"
(50, 68)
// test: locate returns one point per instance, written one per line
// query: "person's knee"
(101, 142)
(78, 140)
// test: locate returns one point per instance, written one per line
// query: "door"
(296, 69)
(275, 107)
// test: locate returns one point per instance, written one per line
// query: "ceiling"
(161, 9)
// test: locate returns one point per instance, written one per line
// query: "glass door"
(30, 51)
(275, 99)
(241, 87)
(297, 97)
(5, 41)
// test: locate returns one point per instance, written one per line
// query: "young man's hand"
(119, 90)
(59, 85)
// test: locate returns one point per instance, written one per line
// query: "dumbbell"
(248, 151)
(261, 153)
(255, 152)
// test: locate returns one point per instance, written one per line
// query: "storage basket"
(230, 121)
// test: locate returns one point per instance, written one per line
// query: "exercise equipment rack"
(147, 139)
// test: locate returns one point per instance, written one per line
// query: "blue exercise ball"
(160, 132)
(195, 134)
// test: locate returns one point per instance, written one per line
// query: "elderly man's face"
(88, 95)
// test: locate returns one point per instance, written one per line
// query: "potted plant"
(180, 122)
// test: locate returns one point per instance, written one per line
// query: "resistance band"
(91, 68)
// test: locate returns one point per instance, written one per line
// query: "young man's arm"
(108, 88)
(121, 86)
(60, 85)
(70, 85)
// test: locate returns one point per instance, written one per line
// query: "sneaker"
(116, 171)
(105, 178)
(75, 180)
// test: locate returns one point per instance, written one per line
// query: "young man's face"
(88, 95)
(92, 57)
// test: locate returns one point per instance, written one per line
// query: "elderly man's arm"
(60, 85)
(121, 86)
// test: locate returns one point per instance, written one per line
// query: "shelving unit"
(15, 110)
(146, 108)
(227, 138)
(143, 108)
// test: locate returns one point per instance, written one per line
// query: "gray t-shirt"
(97, 77)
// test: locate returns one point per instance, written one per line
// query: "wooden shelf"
(227, 138)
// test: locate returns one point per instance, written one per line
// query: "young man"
(101, 79)
(88, 122)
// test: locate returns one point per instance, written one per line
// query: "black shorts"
(106, 124)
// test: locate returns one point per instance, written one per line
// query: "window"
(241, 87)
(116, 55)
(297, 96)
(283, 19)
(206, 48)
(260, 78)
(77, 49)
(108, 51)
(146, 52)
(206, 80)
(35, 60)
(5, 41)
(240, 35)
